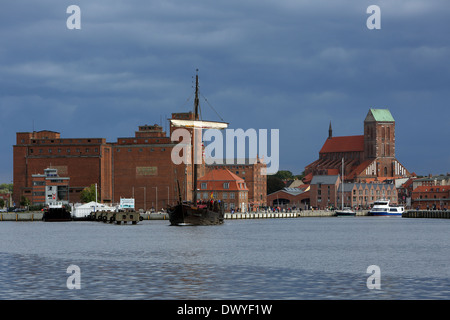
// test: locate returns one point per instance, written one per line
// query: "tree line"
(278, 180)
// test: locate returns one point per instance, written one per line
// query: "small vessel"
(345, 211)
(195, 212)
(56, 212)
(382, 208)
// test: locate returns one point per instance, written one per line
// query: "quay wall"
(37, 216)
(433, 214)
(155, 216)
(22, 216)
(296, 214)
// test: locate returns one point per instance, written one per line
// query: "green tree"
(6, 187)
(284, 175)
(24, 201)
(274, 183)
(300, 176)
(88, 194)
(2, 203)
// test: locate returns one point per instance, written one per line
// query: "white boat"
(344, 211)
(382, 208)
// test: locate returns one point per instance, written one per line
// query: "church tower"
(379, 134)
(330, 132)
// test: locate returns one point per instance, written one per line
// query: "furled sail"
(199, 124)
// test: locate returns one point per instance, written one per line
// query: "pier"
(37, 216)
(432, 214)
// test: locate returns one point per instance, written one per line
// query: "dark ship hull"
(201, 215)
(56, 214)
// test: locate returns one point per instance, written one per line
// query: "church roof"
(343, 144)
(383, 115)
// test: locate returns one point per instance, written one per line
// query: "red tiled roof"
(428, 189)
(343, 144)
(332, 172)
(216, 178)
(307, 179)
(360, 168)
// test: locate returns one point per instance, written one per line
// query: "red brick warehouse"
(138, 166)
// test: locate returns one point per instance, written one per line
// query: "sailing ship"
(196, 212)
(344, 211)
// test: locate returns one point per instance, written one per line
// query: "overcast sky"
(292, 65)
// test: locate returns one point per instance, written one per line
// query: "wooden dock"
(431, 214)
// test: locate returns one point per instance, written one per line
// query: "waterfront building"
(323, 191)
(363, 195)
(251, 171)
(290, 197)
(86, 161)
(222, 184)
(49, 188)
(440, 180)
(139, 166)
(142, 169)
(368, 157)
(431, 197)
(326, 192)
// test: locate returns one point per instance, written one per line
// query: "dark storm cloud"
(287, 64)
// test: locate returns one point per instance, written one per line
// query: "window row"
(67, 151)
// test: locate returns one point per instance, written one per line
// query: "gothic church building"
(367, 158)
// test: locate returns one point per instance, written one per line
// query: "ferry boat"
(56, 212)
(382, 208)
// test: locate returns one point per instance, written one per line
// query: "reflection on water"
(272, 259)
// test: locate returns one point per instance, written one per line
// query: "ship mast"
(194, 163)
(342, 207)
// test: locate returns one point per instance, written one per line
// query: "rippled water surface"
(303, 258)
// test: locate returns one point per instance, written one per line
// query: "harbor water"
(298, 259)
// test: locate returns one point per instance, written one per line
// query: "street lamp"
(145, 200)
(156, 191)
(168, 196)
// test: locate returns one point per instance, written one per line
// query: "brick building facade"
(431, 197)
(143, 170)
(326, 192)
(368, 157)
(323, 191)
(49, 188)
(139, 166)
(363, 195)
(250, 170)
(85, 160)
(225, 186)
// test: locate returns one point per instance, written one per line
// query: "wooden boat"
(196, 212)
